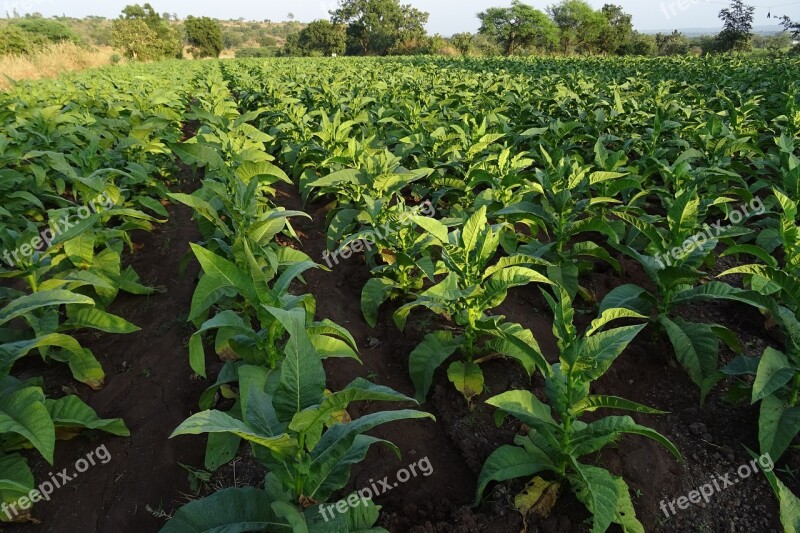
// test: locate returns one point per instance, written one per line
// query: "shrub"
(255, 52)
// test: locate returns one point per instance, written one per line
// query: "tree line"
(386, 27)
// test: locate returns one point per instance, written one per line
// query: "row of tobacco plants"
(83, 164)
(271, 341)
(542, 172)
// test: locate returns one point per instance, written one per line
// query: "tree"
(319, 38)
(618, 32)
(136, 40)
(518, 26)
(639, 45)
(378, 27)
(463, 42)
(580, 25)
(141, 33)
(205, 36)
(737, 30)
(671, 44)
(793, 28)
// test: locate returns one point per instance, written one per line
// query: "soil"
(149, 384)
(152, 387)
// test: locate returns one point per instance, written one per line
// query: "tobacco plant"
(557, 439)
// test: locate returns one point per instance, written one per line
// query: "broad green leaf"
(467, 378)
(429, 355)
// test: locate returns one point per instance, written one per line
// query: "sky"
(446, 16)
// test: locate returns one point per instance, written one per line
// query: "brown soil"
(149, 384)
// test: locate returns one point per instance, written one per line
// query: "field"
(412, 294)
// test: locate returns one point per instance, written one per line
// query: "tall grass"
(51, 61)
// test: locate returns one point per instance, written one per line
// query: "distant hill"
(237, 34)
(697, 32)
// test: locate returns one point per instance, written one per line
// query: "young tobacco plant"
(565, 210)
(301, 432)
(777, 373)
(557, 438)
(475, 284)
(246, 330)
(673, 260)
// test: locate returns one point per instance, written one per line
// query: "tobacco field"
(570, 288)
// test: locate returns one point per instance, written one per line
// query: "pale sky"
(447, 17)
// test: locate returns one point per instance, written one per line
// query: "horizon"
(668, 15)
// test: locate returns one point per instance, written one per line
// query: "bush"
(50, 30)
(15, 41)
(205, 36)
(27, 36)
(256, 52)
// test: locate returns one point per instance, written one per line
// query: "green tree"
(322, 37)
(793, 28)
(671, 44)
(581, 26)
(618, 32)
(136, 40)
(377, 27)
(639, 45)
(517, 27)
(157, 40)
(737, 27)
(204, 35)
(463, 42)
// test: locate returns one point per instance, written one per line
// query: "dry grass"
(52, 61)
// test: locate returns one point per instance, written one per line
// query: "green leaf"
(599, 351)
(508, 462)
(38, 300)
(16, 479)
(473, 227)
(235, 510)
(358, 390)
(523, 405)
(789, 503)
(23, 412)
(225, 273)
(71, 412)
(595, 402)
(626, 513)
(697, 349)
(429, 355)
(375, 293)
(774, 371)
(200, 155)
(609, 315)
(219, 422)
(467, 378)
(91, 317)
(778, 425)
(80, 250)
(596, 489)
(630, 297)
(302, 380)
